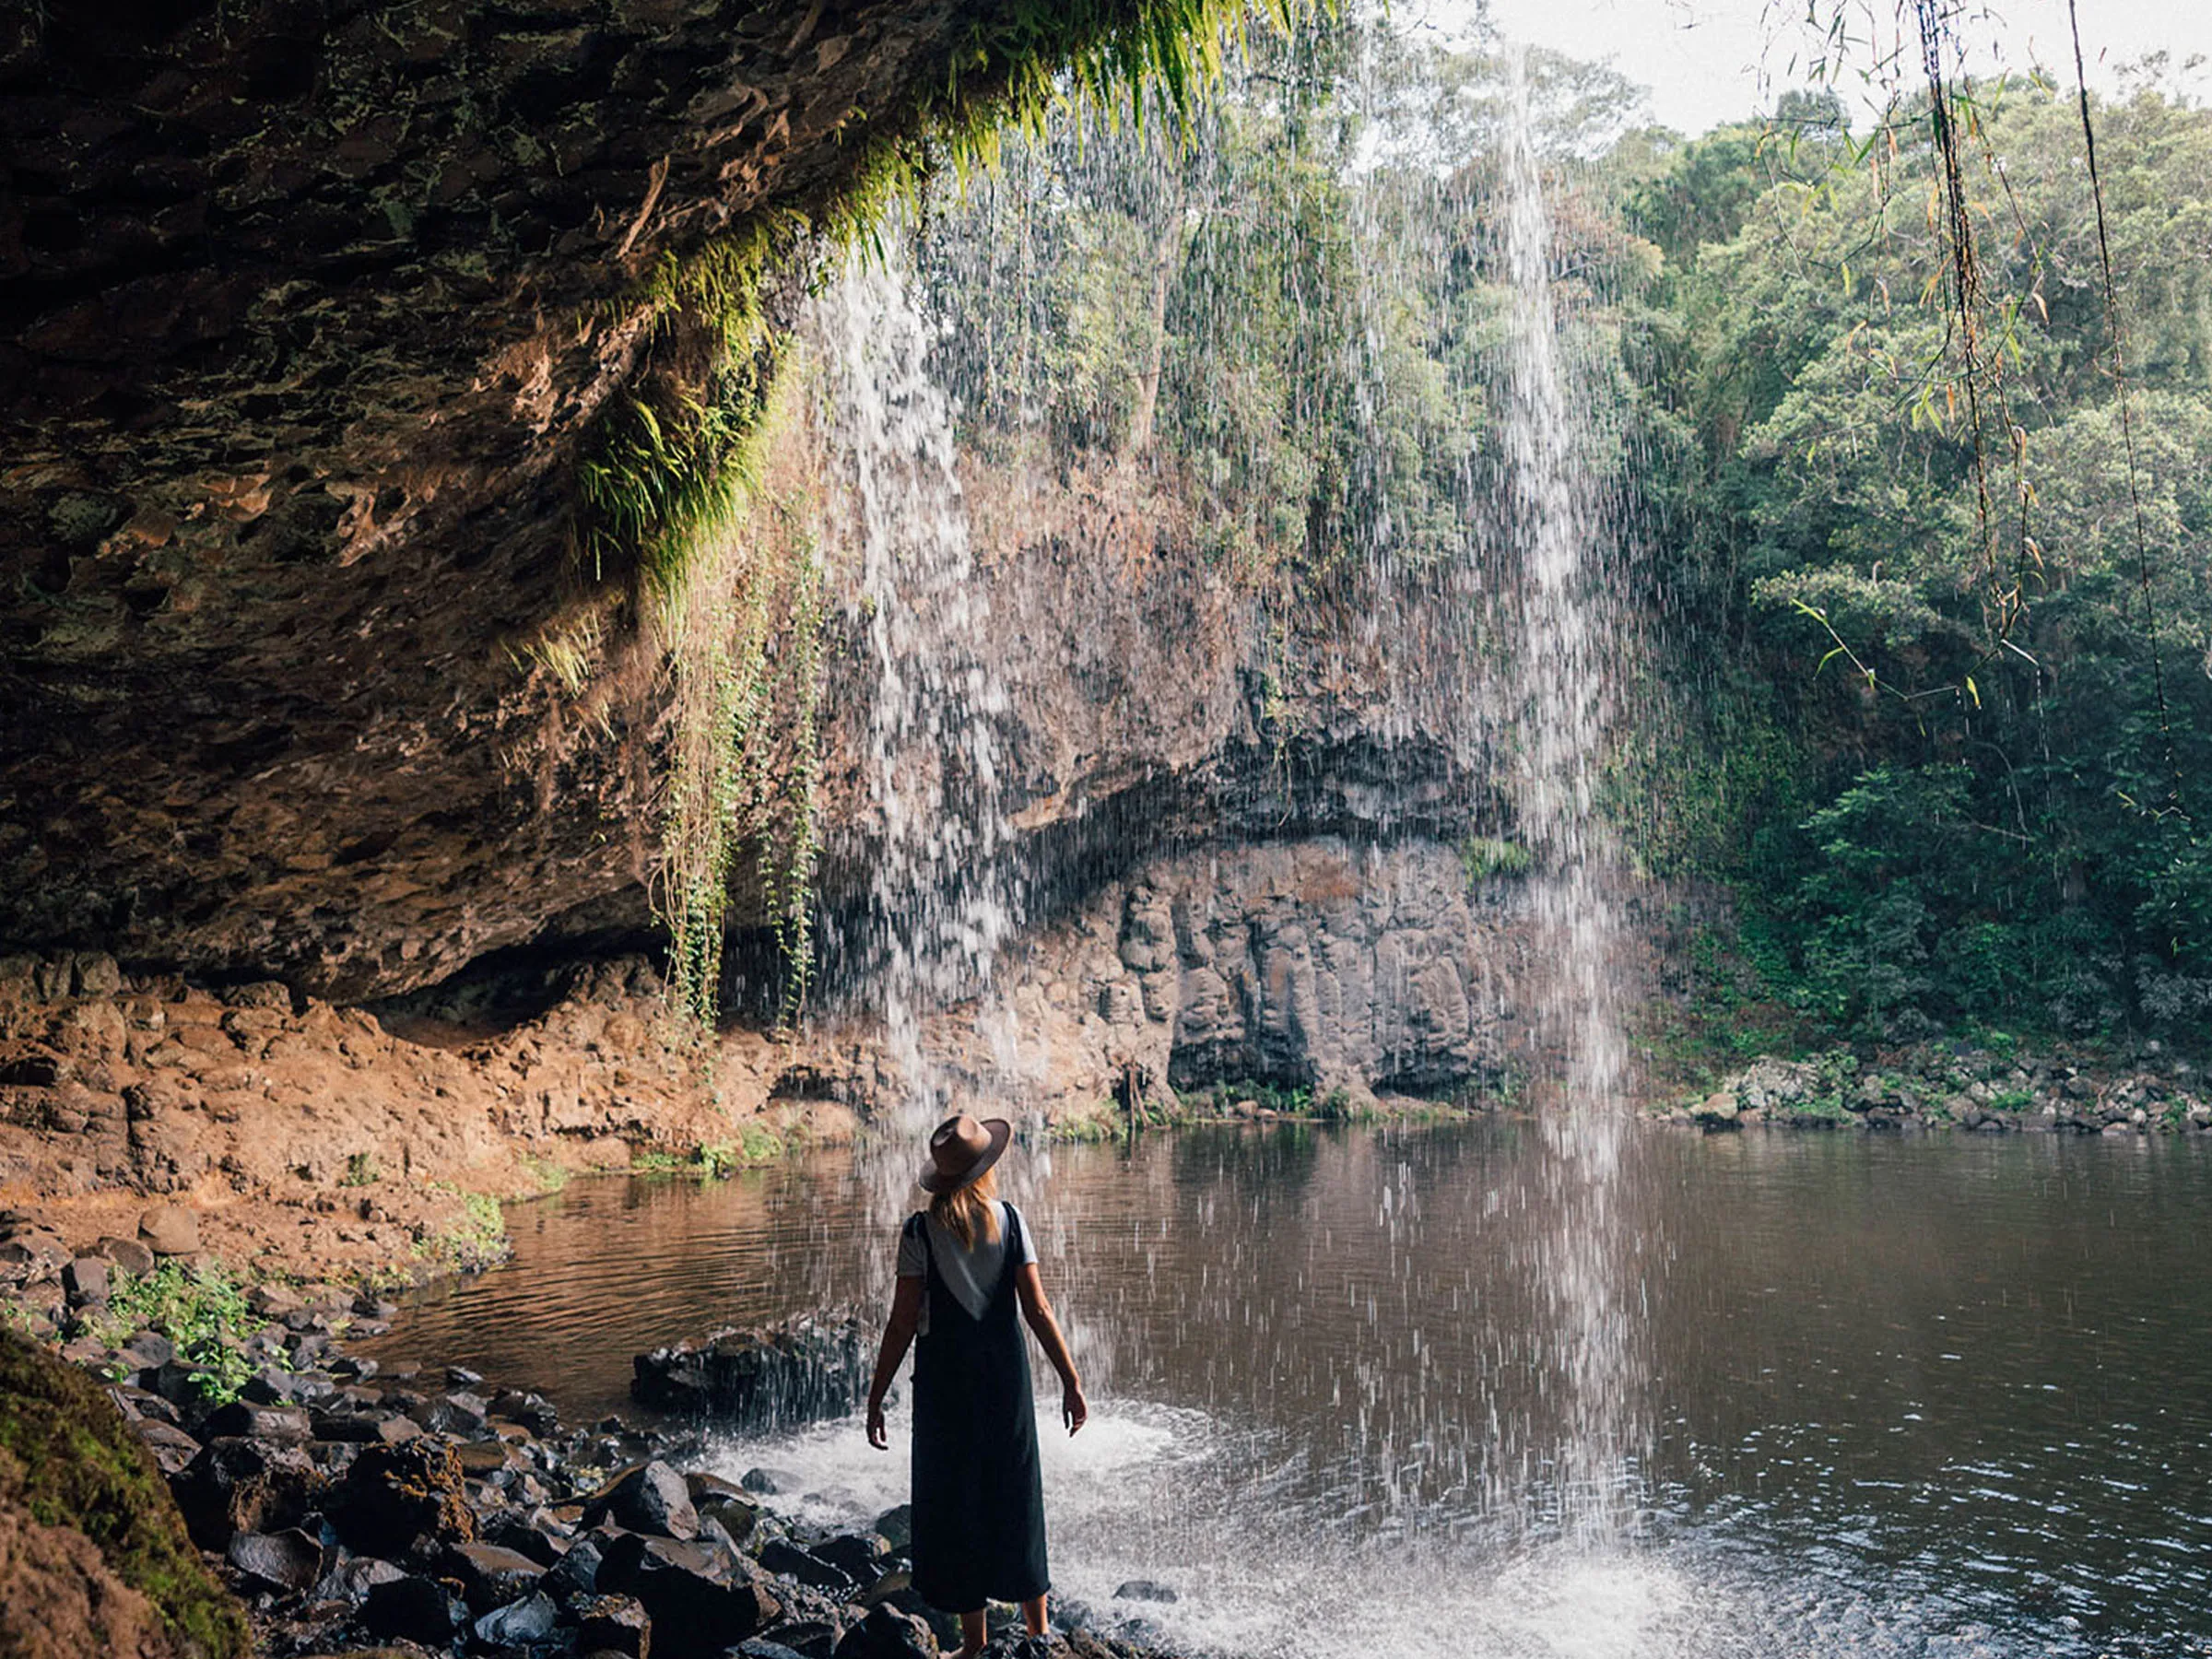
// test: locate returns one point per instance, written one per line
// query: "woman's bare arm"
(1074, 1410)
(897, 1336)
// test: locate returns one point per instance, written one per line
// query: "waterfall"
(942, 900)
(1564, 612)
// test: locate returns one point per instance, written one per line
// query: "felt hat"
(961, 1148)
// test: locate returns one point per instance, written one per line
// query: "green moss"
(67, 1456)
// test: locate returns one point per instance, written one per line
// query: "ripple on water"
(1169, 1496)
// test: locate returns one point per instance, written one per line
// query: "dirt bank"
(312, 1142)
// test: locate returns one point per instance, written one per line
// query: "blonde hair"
(969, 1210)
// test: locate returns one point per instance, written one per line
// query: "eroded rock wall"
(324, 1140)
(1322, 964)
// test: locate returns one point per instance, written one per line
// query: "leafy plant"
(201, 1308)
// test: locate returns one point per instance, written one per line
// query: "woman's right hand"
(1074, 1410)
(880, 1434)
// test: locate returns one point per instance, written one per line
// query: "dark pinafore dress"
(979, 1498)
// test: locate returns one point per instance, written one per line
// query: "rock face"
(1321, 965)
(311, 311)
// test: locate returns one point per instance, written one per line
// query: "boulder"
(35, 1255)
(861, 1555)
(1144, 1590)
(283, 1425)
(173, 1449)
(1716, 1110)
(85, 1281)
(282, 1561)
(237, 1485)
(170, 1229)
(887, 1633)
(490, 1576)
(352, 1579)
(651, 1498)
(274, 1300)
(411, 1608)
(394, 1498)
(782, 1556)
(760, 1381)
(612, 1624)
(520, 1623)
(701, 1599)
(896, 1527)
(532, 1411)
(576, 1573)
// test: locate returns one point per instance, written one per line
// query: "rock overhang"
(307, 313)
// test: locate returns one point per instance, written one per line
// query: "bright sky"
(1709, 61)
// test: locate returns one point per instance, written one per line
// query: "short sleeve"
(914, 1261)
(1029, 1238)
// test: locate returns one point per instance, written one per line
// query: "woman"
(964, 1265)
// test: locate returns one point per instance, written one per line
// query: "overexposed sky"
(1709, 61)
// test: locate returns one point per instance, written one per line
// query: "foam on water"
(1176, 1498)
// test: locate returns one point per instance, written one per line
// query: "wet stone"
(887, 1633)
(651, 1498)
(531, 1620)
(493, 1576)
(612, 1624)
(863, 1557)
(282, 1561)
(412, 1608)
(700, 1600)
(1145, 1590)
(782, 1556)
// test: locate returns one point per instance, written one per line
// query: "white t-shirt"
(969, 1275)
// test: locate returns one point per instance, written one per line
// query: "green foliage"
(756, 1144)
(1483, 856)
(201, 1308)
(477, 1241)
(1941, 765)
(360, 1169)
(68, 1458)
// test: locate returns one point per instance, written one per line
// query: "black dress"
(979, 1498)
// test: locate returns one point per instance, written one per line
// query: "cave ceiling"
(305, 313)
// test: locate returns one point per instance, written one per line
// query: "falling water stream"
(1559, 605)
(944, 897)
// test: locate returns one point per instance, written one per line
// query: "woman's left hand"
(879, 1435)
(1074, 1410)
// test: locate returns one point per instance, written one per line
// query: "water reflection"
(1905, 1389)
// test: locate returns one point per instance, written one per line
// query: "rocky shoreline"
(355, 1508)
(1956, 1087)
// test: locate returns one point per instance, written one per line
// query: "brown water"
(1914, 1396)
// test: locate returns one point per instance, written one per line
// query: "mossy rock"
(70, 1465)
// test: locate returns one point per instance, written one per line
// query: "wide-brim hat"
(960, 1149)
